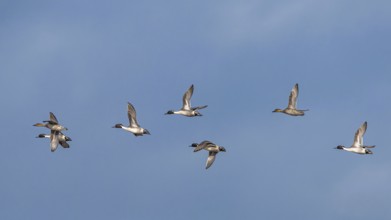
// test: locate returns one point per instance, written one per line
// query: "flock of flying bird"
(57, 137)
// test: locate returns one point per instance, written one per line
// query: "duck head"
(222, 149)
(39, 125)
(118, 126)
(367, 151)
(41, 136)
(277, 110)
(169, 112)
(340, 147)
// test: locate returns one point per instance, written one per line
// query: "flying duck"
(59, 138)
(291, 109)
(133, 127)
(186, 109)
(52, 124)
(55, 129)
(211, 147)
(358, 146)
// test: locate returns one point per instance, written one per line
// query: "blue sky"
(84, 60)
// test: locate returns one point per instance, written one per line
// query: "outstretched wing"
(64, 144)
(199, 107)
(132, 116)
(358, 137)
(373, 146)
(52, 119)
(53, 140)
(293, 97)
(186, 98)
(211, 159)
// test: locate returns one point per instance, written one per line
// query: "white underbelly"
(133, 130)
(356, 150)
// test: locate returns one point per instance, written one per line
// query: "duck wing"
(52, 119)
(199, 107)
(204, 145)
(53, 140)
(358, 137)
(132, 116)
(211, 159)
(293, 97)
(64, 144)
(373, 146)
(186, 98)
